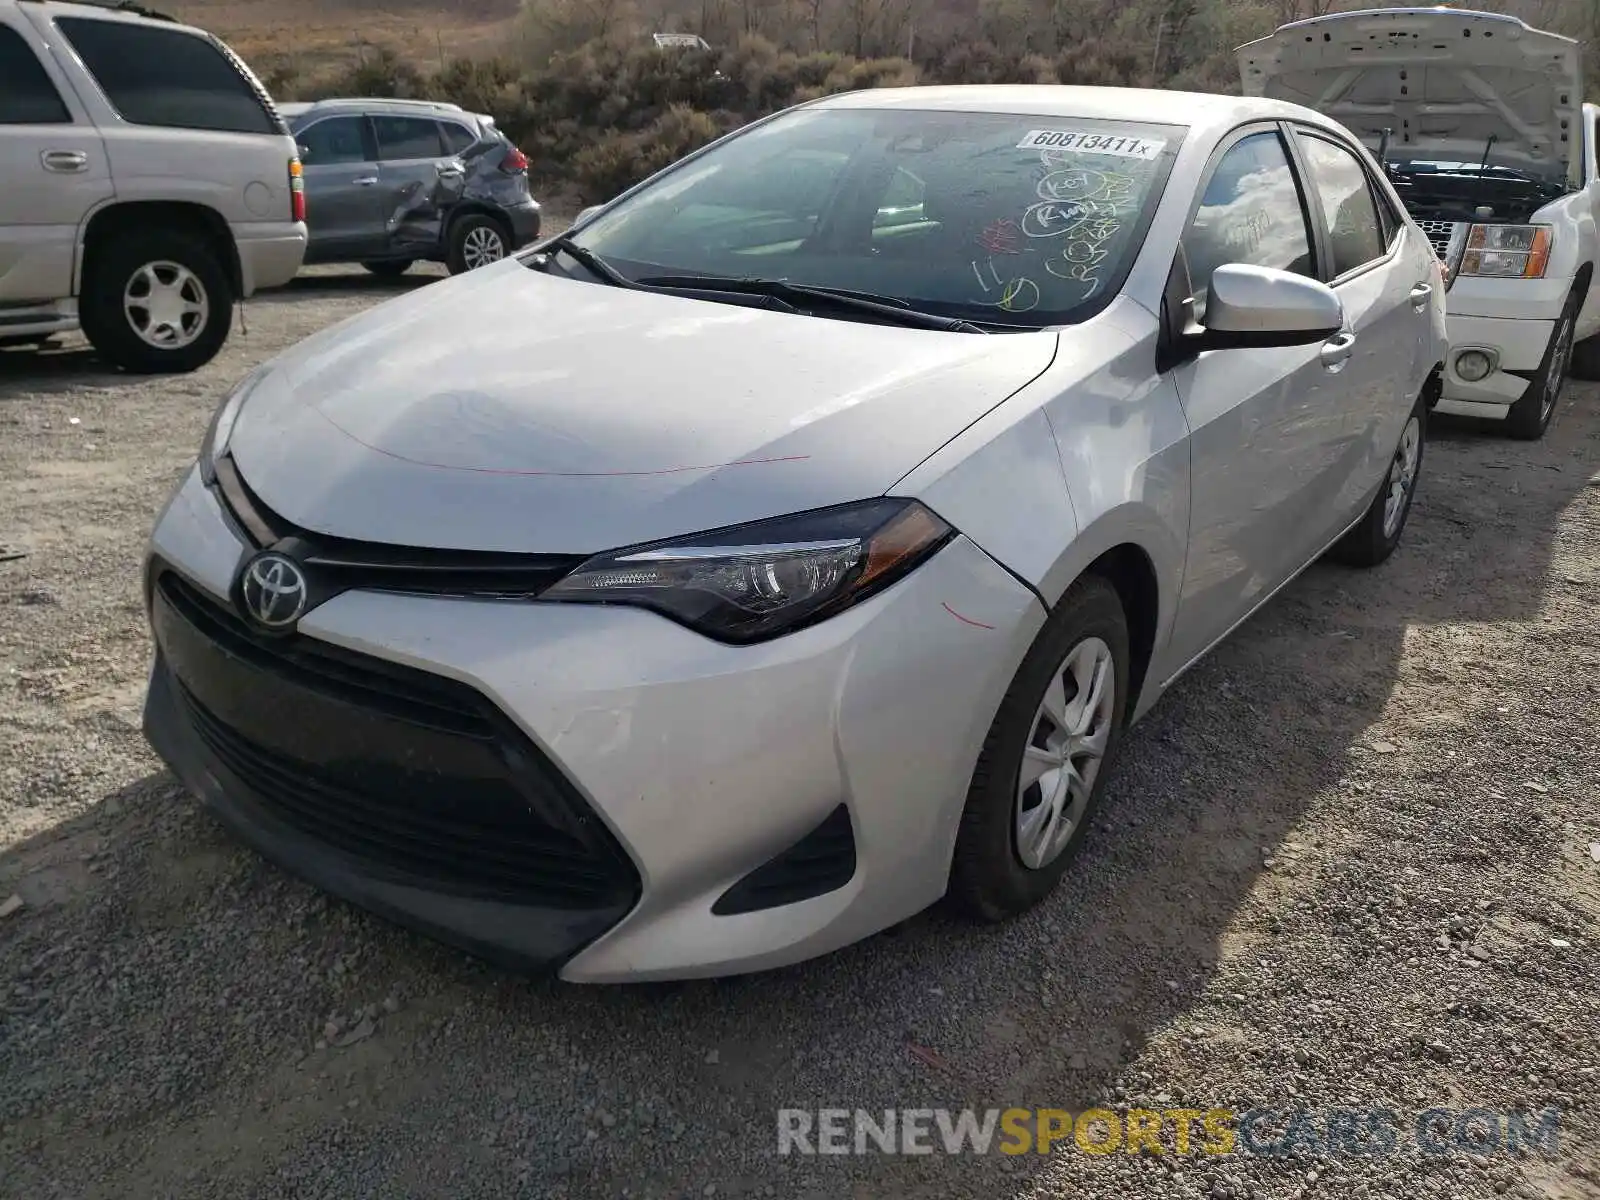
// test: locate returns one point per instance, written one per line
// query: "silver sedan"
(792, 543)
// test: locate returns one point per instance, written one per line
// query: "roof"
(119, 9)
(367, 103)
(1153, 106)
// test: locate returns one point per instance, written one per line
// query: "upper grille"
(1442, 236)
(416, 776)
(346, 564)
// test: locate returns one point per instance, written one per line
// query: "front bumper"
(1515, 344)
(702, 761)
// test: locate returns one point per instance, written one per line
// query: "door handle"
(64, 162)
(365, 181)
(1420, 294)
(1336, 351)
(447, 171)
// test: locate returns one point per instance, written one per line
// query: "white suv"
(149, 183)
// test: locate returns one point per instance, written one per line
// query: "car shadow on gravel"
(66, 366)
(355, 283)
(190, 939)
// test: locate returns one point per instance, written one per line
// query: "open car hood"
(1443, 81)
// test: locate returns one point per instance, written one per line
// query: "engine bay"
(1448, 192)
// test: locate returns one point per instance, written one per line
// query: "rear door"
(418, 179)
(53, 171)
(345, 214)
(1265, 424)
(1385, 284)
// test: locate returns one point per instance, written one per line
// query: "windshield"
(1022, 220)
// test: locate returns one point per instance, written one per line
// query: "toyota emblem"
(273, 590)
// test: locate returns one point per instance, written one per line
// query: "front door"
(1265, 424)
(53, 174)
(344, 207)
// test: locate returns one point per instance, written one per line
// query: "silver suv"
(149, 183)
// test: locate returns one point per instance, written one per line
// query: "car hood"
(510, 410)
(1444, 81)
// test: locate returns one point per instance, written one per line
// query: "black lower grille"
(417, 777)
(821, 862)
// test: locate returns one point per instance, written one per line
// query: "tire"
(1586, 359)
(389, 268)
(1530, 416)
(179, 271)
(995, 873)
(1375, 538)
(473, 236)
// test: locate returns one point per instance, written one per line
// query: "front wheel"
(389, 268)
(475, 241)
(1530, 416)
(1044, 764)
(156, 301)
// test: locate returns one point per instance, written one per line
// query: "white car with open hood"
(1479, 121)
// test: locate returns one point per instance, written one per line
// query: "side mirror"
(587, 213)
(1250, 307)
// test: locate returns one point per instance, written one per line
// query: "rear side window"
(456, 137)
(1354, 233)
(334, 140)
(27, 97)
(406, 137)
(166, 77)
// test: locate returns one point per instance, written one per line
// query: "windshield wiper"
(891, 307)
(587, 258)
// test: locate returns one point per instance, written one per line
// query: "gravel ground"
(1352, 860)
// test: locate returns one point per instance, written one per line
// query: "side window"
(400, 138)
(165, 77)
(1251, 213)
(901, 202)
(456, 137)
(1354, 234)
(334, 140)
(27, 97)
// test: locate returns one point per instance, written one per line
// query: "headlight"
(1506, 251)
(216, 440)
(754, 582)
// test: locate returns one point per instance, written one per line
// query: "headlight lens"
(754, 582)
(216, 440)
(1506, 251)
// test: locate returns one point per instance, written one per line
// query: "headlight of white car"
(216, 439)
(1506, 251)
(757, 581)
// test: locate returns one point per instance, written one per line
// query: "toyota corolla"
(791, 543)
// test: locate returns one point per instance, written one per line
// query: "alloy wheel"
(1556, 375)
(166, 305)
(1065, 749)
(481, 247)
(1402, 476)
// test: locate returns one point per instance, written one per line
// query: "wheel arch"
(1131, 572)
(184, 216)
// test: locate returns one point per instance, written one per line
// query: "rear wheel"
(389, 268)
(476, 241)
(156, 301)
(1044, 764)
(1375, 538)
(1530, 416)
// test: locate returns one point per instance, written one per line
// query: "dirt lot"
(1352, 861)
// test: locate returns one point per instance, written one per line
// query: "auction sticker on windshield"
(1092, 143)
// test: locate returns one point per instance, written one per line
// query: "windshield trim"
(1112, 285)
